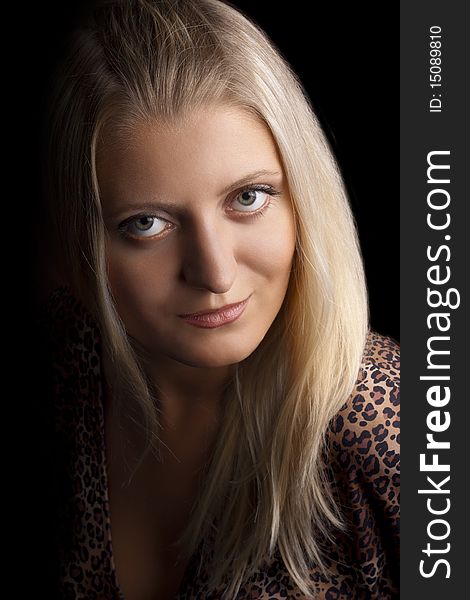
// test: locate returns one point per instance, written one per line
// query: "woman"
(228, 420)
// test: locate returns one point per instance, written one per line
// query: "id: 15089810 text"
(435, 68)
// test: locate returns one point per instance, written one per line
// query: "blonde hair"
(266, 486)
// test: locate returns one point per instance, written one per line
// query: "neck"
(189, 401)
(184, 392)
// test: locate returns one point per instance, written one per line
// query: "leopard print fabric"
(363, 453)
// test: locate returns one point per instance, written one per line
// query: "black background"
(347, 59)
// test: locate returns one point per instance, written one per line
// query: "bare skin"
(198, 216)
(151, 510)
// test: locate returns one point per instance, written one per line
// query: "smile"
(209, 320)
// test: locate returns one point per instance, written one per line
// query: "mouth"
(216, 318)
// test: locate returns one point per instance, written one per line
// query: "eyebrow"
(247, 178)
(165, 205)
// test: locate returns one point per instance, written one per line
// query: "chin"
(213, 362)
(214, 359)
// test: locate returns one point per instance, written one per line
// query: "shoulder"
(72, 343)
(364, 437)
(62, 310)
(371, 414)
(382, 353)
(363, 444)
(67, 324)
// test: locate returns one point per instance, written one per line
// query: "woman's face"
(198, 217)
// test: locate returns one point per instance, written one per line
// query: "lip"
(216, 318)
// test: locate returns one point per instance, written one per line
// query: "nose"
(209, 261)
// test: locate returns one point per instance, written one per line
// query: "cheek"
(272, 247)
(136, 279)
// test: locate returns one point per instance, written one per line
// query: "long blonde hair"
(266, 486)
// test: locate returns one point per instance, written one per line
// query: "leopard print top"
(364, 455)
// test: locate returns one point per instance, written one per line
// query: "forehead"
(210, 147)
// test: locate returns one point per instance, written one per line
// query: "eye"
(143, 226)
(252, 199)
